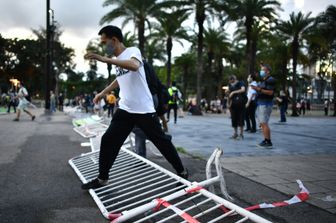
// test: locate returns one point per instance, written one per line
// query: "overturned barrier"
(139, 188)
(91, 130)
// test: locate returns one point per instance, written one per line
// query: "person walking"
(265, 104)
(303, 106)
(12, 100)
(52, 102)
(60, 102)
(111, 101)
(326, 107)
(23, 103)
(237, 101)
(136, 107)
(283, 104)
(251, 105)
(172, 103)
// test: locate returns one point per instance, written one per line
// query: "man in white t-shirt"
(23, 103)
(136, 107)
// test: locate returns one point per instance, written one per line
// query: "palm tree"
(217, 46)
(170, 28)
(246, 13)
(202, 9)
(134, 10)
(295, 29)
(186, 63)
(154, 49)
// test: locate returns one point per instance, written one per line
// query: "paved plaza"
(38, 185)
(304, 148)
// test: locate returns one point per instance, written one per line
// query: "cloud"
(299, 4)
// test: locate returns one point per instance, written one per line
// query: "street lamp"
(48, 59)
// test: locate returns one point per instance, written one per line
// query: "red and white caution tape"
(178, 211)
(300, 197)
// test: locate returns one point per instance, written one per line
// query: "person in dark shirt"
(237, 101)
(265, 97)
(283, 104)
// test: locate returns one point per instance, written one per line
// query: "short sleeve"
(135, 53)
(270, 84)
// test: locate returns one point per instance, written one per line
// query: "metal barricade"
(138, 188)
(91, 130)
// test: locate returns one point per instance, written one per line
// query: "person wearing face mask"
(237, 101)
(136, 107)
(251, 105)
(265, 97)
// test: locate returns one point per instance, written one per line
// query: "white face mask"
(109, 49)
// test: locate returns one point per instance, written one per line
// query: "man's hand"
(94, 56)
(256, 88)
(97, 98)
(247, 105)
(231, 94)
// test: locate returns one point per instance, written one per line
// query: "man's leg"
(266, 131)
(18, 112)
(175, 113)
(150, 124)
(168, 112)
(252, 117)
(264, 113)
(247, 118)
(114, 137)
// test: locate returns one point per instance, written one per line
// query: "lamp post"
(48, 60)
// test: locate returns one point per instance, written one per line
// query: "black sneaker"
(16, 120)
(33, 117)
(184, 175)
(94, 184)
(265, 144)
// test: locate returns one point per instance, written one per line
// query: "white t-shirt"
(251, 91)
(134, 94)
(22, 94)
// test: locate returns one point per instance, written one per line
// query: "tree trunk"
(248, 51)
(169, 49)
(184, 85)
(200, 17)
(141, 36)
(295, 48)
(253, 55)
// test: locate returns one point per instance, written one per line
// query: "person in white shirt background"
(251, 104)
(23, 103)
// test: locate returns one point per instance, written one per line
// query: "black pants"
(11, 103)
(237, 116)
(120, 127)
(110, 108)
(250, 116)
(174, 107)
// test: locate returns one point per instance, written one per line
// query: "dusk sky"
(79, 21)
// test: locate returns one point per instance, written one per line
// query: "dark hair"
(174, 83)
(253, 77)
(111, 31)
(232, 77)
(268, 67)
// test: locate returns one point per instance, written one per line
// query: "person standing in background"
(265, 97)
(251, 105)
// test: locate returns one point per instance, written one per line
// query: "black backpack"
(156, 88)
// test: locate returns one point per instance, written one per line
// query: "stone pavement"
(304, 148)
(37, 184)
